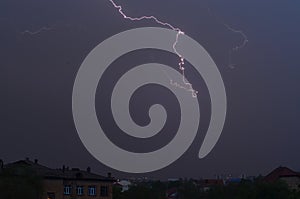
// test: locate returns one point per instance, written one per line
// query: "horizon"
(144, 176)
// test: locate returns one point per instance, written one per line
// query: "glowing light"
(187, 86)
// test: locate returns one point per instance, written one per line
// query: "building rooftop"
(63, 173)
(280, 172)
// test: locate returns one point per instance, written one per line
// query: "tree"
(251, 190)
(16, 183)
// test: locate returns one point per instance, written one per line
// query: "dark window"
(67, 189)
(92, 191)
(104, 191)
(79, 190)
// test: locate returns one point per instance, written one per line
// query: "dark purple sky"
(37, 73)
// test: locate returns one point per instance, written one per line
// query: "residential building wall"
(56, 187)
(53, 186)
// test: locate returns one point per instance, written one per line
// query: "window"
(50, 195)
(104, 191)
(92, 190)
(67, 189)
(79, 190)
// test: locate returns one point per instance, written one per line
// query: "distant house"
(172, 193)
(285, 174)
(233, 181)
(207, 184)
(123, 184)
(67, 183)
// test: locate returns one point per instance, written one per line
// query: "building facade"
(67, 183)
(290, 177)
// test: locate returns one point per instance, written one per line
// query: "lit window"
(79, 190)
(104, 191)
(67, 189)
(50, 195)
(92, 190)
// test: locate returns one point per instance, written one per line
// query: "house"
(172, 193)
(233, 181)
(207, 184)
(66, 183)
(123, 184)
(285, 174)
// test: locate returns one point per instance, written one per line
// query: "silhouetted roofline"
(280, 172)
(63, 174)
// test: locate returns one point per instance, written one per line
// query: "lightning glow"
(245, 40)
(43, 29)
(186, 85)
(236, 48)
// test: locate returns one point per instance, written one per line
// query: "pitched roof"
(280, 172)
(57, 173)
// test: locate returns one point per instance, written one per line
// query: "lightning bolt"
(236, 48)
(186, 85)
(43, 29)
(245, 40)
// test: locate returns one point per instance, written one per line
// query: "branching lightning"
(236, 48)
(43, 29)
(245, 40)
(186, 85)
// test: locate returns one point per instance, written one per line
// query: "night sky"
(38, 69)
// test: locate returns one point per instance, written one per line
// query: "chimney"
(36, 161)
(88, 169)
(109, 175)
(63, 168)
